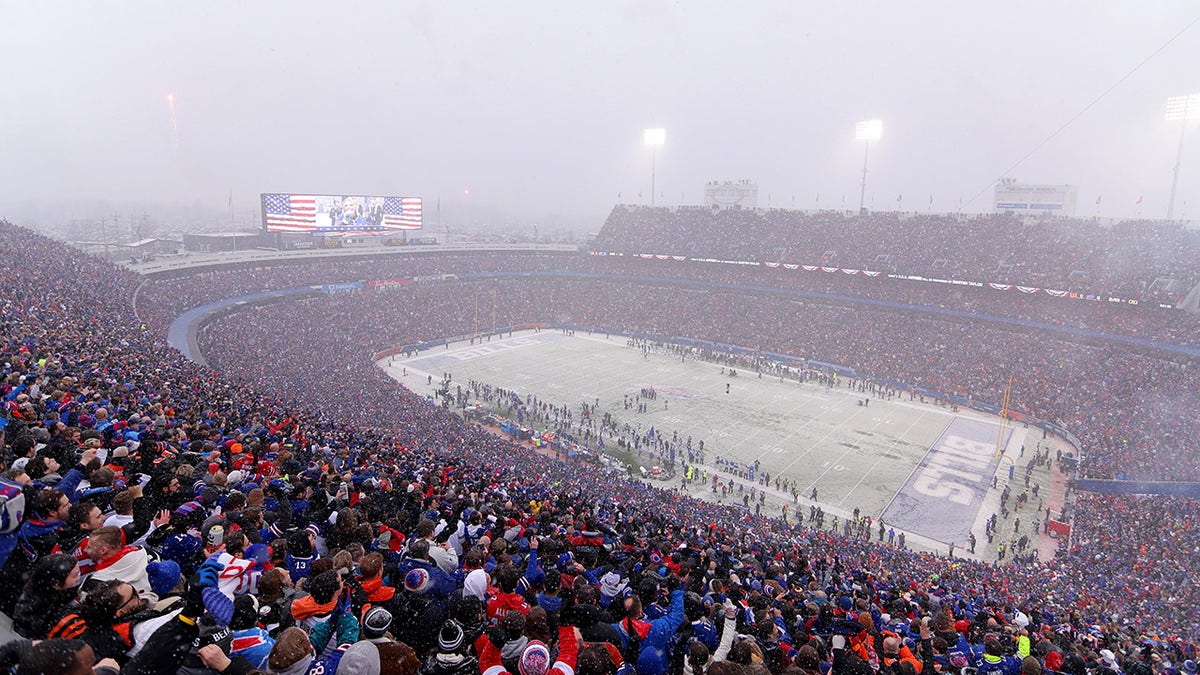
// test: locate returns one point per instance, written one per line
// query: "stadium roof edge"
(163, 265)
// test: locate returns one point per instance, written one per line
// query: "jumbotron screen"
(339, 213)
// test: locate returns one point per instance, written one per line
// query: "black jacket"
(39, 611)
(595, 625)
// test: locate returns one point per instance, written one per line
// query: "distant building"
(227, 241)
(144, 249)
(1028, 199)
(141, 250)
(742, 194)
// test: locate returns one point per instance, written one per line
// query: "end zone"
(942, 497)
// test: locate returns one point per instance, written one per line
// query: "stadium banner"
(317, 214)
(943, 495)
(1058, 529)
(345, 287)
(832, 367)
(1029, 290)
(389, 283)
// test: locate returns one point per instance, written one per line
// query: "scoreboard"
(731, 194)
(287, 212)
(1028, 199)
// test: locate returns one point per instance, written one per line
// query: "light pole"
(866, 130)
(1182, 109)
(654, 138)
(174, 126)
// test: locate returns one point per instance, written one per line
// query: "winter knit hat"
(476, 584)
(376, 623)
(652, 661)
(361, 657)
(450, 638)
(535, 659)
(611, 585)
(417, 581)
(163, 575)
(245, 612)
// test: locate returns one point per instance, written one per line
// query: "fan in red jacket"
(535, 658)
(507, 599)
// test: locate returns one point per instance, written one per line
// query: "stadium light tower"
(1180, 109)
(174, 125)
(866, 130)
(654, 138)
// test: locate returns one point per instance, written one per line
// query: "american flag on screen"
(290, 213)
(402, 213)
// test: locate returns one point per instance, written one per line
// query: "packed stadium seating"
(293, 389)
(1096, 390)
(1068, 254)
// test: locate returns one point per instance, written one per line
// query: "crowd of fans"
(305, 515)
(1062, 253)
(1140, 548)
(160, 302)
(1142, 322)
(1099, 392)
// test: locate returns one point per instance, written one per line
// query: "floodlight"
(171, 118)
(868, 130)
(1180, 108)
(654, 138)
(1183, 107)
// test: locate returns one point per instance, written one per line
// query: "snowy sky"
(539, 107)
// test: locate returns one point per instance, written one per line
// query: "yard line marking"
(920, 462)
(880, 459)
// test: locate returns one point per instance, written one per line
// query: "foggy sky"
(538, 107)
